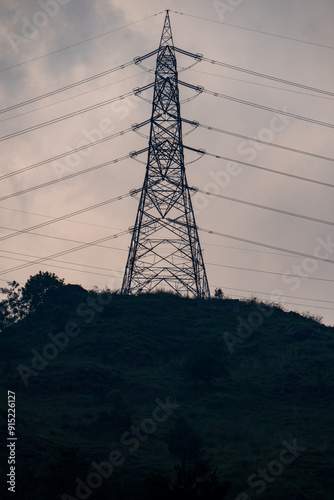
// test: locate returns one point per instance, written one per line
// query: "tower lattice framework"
(165, 251)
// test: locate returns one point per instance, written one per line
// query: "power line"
(288, 303)
(261, 84)
(278, 172)
(66, 216)
(66, 87)
(252, 139)
(117, 271)
(76, 113)
(121, 249)
(210, 263)
(254, 30)
(70, 176)
(248, 249)
(67, 153)
(255, 105)
(79, 43)
(51, 217)
(269, 272)
(265, 245)
(65, 252)
(285, 296)
(254, 73)
(72, 97)
(71, 250)
(263, 207)
(253, 250)
(109, 227)
(63, 267)
(62, 261)
(41, 235)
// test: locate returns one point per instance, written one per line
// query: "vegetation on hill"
(158, 396)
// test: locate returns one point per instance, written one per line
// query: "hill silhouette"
(158, 396)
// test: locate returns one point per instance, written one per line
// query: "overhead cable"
(265, 245)
(70, 250)
(254, 73)
(55, 103)
(80, 82)
(242, 297)
(74, 174)
(120, 272)
(76, 113)
(278, 172)
(60, 238)
(67, 216)
(51, 217)
(258, 84)
(199, 89)
(269, 272)
(65, 252)
(81, 42)
(76, 150)
(263, 207)
(285, 296)
(95, 273)
(254, 30)
(254, 139)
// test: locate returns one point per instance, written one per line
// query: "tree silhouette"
(11, 308)
(21, 301)
(33, 293)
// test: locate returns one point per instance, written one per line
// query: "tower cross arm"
(198, 57)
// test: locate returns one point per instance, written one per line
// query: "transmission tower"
(165, 248)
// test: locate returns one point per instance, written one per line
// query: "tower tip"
(166, 38)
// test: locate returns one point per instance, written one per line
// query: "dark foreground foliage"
(157, 396)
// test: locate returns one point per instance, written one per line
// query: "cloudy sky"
(50, 44)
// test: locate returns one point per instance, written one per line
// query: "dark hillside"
(113, 392)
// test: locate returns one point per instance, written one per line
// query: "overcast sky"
(46, 45)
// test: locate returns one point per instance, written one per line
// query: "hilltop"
(222, 389)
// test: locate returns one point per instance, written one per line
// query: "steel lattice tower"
(165, 248)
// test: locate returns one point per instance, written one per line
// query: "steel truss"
(165, 251)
